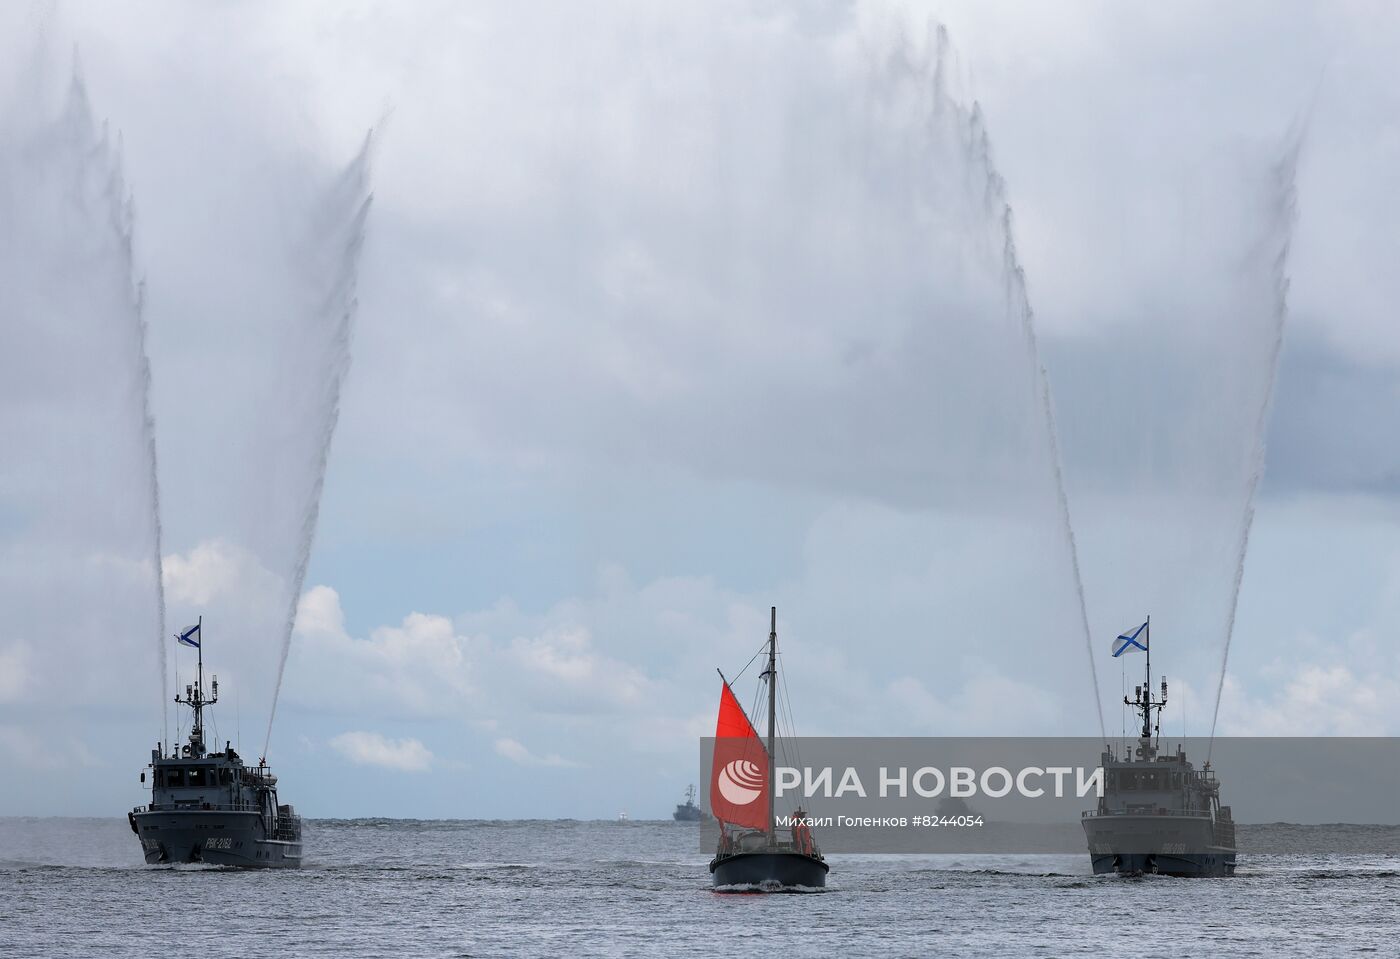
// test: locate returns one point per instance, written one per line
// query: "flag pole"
(1145, 702)
(199, 685)
(199, 628)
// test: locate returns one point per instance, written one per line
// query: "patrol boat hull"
(1156, 844)
(1190, 865)
(768, 870)
(217, 837)
(688, 812)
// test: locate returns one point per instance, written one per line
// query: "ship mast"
(772, 675)
(1144, 702)
(194, 698)
(1147, 683)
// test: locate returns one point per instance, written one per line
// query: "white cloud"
(319, 612)
(419, 668)
(1315, 699)
(426, 667)
(566, 673)
(633, 664)
(517, 753)
(214, 570)
(373, 749)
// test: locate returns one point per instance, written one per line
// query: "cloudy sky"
(664, 315)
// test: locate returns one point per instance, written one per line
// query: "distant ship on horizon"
(688, 811)
(210, 807)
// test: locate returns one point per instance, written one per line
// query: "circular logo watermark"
(741, 782)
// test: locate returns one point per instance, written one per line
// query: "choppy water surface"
(406, 888)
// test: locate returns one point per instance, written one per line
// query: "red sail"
(739, 773)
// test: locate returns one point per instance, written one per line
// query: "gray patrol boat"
(1158, 813)
(688, 811)
(210, 807)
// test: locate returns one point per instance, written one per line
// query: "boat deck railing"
(193, 806)
(739, 848)
(1158, 811)
(288, 827)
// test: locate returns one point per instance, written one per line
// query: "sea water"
(386, 887)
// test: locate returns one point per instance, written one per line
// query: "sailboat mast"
(772, 718)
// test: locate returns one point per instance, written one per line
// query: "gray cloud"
(1333, 425)
(704, 295)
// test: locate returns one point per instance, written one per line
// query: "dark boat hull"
(768, 870)
(1202, 864)
(1162, 845)
(216, 837)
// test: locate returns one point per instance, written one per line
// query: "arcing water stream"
(85, 559)
(990, 191)
(84, 562)
(148, 435)
(1271, 257)
(1018, 303)
(338, 233)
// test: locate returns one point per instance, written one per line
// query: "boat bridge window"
(192, 777)
(1127, 779)
(1144, 779)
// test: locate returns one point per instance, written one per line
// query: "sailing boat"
(750, 853)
